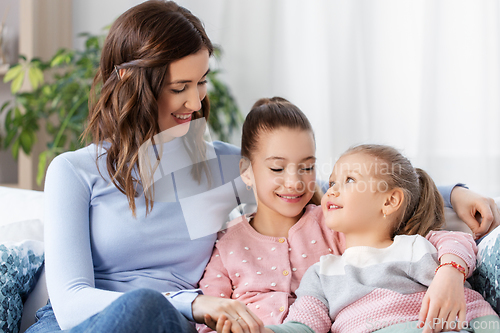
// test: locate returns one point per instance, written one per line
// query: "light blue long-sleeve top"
(96, 250)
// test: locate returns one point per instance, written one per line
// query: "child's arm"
(459, 244)
(307, 314)
(215, 282)
(225, 326)
(445, 299)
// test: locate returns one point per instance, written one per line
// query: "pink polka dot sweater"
(263, 272)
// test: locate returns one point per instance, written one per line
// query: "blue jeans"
(141, 310)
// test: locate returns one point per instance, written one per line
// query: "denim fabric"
(141, 310)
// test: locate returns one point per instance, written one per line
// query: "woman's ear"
(394, 201)
(246, 171)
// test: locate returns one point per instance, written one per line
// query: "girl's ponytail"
(429, 212)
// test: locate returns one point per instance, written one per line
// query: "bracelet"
(453, 264)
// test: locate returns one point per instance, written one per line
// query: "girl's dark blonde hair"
(123, 108)
(423, 208)
(269, 114)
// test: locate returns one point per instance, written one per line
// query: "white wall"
(419, 75)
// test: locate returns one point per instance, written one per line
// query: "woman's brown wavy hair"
(143, 42)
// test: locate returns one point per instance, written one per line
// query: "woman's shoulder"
(224, 148)
(78, 162)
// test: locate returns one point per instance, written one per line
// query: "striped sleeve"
(311, 312)
(290, 327)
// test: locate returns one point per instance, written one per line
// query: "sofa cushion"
(20, 264)
(485, 278)
(22, 230)
(20, 205)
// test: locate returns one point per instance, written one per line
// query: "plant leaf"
(17, 83)
(13, 73)
(35, 75)
(26, 141)
(42, 164)
(15, 149)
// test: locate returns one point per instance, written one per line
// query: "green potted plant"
(58, 101)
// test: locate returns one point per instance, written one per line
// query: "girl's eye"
(308, 169)
(177, 91)
(202, 82)
(276, 170)
(331, 184)
(349, 180)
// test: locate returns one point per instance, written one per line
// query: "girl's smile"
(290, 198)
(331, 206)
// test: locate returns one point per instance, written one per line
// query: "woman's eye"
(330, 184)
(349, 180)
(276, 170)
(202, 82)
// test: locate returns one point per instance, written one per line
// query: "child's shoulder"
(234, 229)
(313, 213)
(330, 264)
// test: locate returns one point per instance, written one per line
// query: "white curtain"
(422, 76)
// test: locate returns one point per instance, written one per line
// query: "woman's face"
(185, 87)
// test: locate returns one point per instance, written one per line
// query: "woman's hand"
(208, 310)
(444, 301)
(224, 325)
(468, 204)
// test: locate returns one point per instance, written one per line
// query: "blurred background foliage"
(58, 101)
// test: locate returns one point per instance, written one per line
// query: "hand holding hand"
(468, 205)
(215, 312)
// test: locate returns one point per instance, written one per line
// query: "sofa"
(21, 244)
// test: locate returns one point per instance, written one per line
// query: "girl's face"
(184, 89)
(283, 171)
(355, 199)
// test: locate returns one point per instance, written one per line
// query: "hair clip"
(117, 73)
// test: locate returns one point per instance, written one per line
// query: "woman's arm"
(68, 257)
(470, 205)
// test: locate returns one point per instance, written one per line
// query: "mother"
(106, 240)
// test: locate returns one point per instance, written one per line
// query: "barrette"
(117, 73)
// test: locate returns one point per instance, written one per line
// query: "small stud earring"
(249, 187)
(384, 216)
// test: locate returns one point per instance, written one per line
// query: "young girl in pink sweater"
(261, 258)
(382, 205)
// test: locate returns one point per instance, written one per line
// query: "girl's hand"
(467, 204)
(444, 302)
(207, 309)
